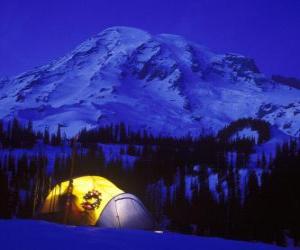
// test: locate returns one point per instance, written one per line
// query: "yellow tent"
(94, 200)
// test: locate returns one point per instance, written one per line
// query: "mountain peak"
(125, 30)
(163, 83)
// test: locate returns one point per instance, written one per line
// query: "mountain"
(162, 83)
(31, 235)
(289, 81)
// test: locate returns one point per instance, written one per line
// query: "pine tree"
(46, 137)
(58, 136)
(4, 194)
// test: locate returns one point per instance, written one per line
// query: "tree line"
(263, 208)
(14, 134)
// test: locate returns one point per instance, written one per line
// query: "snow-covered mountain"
(35, 235)
(163, 83)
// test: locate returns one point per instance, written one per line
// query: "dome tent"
(96, 201)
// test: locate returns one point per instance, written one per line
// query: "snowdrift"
(39, 235)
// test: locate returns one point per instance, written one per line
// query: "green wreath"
(92, 200)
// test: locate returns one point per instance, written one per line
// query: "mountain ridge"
(162, 83)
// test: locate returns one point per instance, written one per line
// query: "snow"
(191, 182)
(213, 180)
(39, 149)
(37, 235)
(246, 133)
(268, 148)
(163, 83)
(111, 152)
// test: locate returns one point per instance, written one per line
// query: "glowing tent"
(95, 201)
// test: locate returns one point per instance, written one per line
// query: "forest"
(172, 176)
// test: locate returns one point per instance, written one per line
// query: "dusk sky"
(34, 32)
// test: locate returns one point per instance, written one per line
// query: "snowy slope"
(163, 83)
(35, 235)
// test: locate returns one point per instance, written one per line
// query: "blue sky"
(34, 32)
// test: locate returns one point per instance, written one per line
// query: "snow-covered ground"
(39, 235)
(245, 133)
(110, 151)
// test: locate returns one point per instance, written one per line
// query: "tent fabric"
(54, 205)
(126, 211)
(117, 209)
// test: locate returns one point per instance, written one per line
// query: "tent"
(94, 200)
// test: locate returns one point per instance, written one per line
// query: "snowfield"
(39, 235)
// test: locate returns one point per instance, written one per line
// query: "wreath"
(92, 200)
